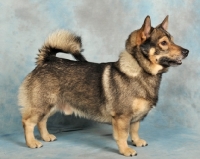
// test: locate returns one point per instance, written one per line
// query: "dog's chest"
(148, 87)
(140, 109)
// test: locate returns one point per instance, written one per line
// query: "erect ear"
(164, 24)
(146, 28)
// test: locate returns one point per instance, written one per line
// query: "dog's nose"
(185, 52)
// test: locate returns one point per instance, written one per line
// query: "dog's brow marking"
(165, 38)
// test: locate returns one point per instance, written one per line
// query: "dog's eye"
(163, 43)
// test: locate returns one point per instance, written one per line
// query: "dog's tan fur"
(121, 93)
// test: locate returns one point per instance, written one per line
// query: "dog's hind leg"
(42, 126)
(28, 125)
(120, 134)
(134, 127)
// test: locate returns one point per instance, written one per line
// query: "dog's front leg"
(135, 136)
(120, 134)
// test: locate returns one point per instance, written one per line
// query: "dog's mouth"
(167, 62)
(175, 62)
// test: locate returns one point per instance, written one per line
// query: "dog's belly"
(140, 109)
(101, 116)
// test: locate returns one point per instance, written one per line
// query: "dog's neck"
(128, 64)
(146, 64)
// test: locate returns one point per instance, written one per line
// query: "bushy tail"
(60, 41)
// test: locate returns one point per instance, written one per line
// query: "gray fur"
(60, 41)
(121, 92)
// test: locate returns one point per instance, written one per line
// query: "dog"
(121, 93)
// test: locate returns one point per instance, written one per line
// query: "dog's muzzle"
(167, 62)
(185, 52)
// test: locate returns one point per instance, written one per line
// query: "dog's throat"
(147, 65)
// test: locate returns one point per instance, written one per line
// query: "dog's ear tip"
(166, 18)
(147, 20)
(147, 17)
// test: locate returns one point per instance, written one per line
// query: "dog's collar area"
(144, 62)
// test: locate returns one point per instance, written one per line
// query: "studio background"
(104, 25)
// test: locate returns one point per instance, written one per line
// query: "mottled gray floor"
(97, 142)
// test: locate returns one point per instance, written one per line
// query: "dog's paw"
(140, 143)
(128, 152)
(49, 138)
(34, 144)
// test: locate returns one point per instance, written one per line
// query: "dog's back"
(121, 92)
(67, 86)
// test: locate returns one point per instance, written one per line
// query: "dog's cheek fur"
(145, 47)
(164, 61)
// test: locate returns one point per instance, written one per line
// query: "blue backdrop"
(104, 26)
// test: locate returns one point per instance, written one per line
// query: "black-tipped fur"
(121, 92)
(61, 41)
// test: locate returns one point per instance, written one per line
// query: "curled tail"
(60, 41)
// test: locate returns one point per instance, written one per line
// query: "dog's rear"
(59, 41)
(30, 90)
(120, 92)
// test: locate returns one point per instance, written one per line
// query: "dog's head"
(157, 44)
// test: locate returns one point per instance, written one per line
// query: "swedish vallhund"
(121, 93)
